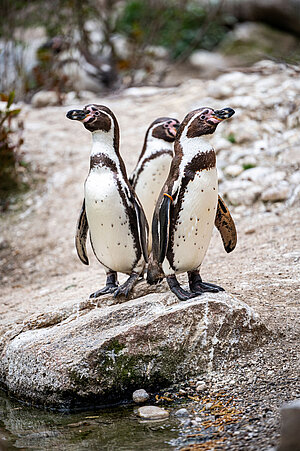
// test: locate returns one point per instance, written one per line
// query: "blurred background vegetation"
(108, 44)
(62, 46)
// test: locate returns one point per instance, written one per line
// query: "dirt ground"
(40, 269)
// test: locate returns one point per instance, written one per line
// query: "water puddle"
(110, 429)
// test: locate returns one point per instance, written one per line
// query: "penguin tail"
(155, 273)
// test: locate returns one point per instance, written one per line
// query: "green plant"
(248, 166)
(179, 27)
(11, 162)
(231, 138)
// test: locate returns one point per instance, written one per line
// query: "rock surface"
(290, 431)
(100, 355)
(140, 396)
(152, 413)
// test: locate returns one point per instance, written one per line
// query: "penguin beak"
(78, 115)
(221, 115)
(173, 129)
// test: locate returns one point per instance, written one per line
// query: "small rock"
(233, 170)
(244, 196)
(44, 98)
(250, 230)
(290, 431)
(208, 61)
(152, 413)
(201, 386)
(276, 193)
(182, 413)
(139, 396)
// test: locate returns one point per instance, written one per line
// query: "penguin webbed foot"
(197, 286)
(127, 286)
(176, 288)
(110, 287)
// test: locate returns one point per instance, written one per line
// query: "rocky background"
(242, 344)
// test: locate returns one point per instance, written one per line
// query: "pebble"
(182, 413)
(201, 386)
(44, 98)
(152, 413)
(233, 170)
(244, 196)
(276, 193)
(140, 396)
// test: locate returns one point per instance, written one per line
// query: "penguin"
(111, 212)
(154, 163)
(152, 170)
(186, 210)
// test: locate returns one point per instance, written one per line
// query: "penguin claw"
(105, 290)
(184, 295)
(206, 288)
(127, 286)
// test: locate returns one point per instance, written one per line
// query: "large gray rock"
(290, 431)
(82, 355)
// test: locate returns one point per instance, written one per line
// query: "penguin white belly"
(108, 222)
(149, 185)
(150, 182)
(195, 223)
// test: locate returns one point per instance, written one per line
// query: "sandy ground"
(40, 268)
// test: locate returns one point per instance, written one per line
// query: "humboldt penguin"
(186, 210)
(152, 170)
(111, 211)
(154, 164)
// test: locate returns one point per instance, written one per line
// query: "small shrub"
(178, 27)
(248, 166)
(11, 158)
(231, 138)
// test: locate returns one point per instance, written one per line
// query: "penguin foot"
(110, 287)
(211, 286)
(175, 287)
(127, 286)
(197, 286)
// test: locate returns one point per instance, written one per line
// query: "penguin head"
(203, 121)
(94, 117)
(164, 128)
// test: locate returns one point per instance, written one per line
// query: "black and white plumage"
(110, 211)
(154, 163)
(186, 210)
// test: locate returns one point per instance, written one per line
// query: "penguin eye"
(96, 113)
(202, 117)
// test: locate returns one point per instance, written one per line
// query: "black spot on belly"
(208, 209)
(112, 225)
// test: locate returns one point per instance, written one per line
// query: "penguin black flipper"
(143, 228)
(164, 227)
(225, 225)
(81, 234)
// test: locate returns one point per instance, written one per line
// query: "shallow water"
(110, 429)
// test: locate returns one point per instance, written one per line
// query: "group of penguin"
(173, 190)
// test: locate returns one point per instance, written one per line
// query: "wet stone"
(182, 413)
(152, 413)
(140, 396)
